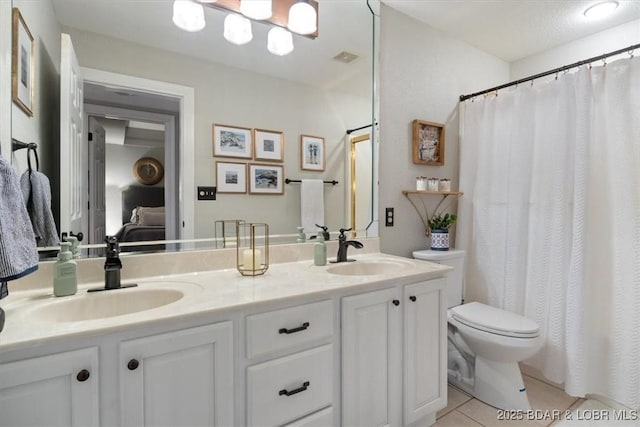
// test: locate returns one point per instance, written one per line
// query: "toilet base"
(500, 384)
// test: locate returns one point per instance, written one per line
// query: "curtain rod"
(629, 50)
(350, 131)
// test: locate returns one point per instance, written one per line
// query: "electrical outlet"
(206, 193)
(388, 217)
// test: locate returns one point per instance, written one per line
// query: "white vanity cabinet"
(182, 378)
(394, 355)
(54, 390)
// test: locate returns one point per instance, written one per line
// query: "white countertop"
(208, 292)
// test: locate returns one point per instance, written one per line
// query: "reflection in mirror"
(315, 90)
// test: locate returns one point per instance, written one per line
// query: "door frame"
(170, 149)
(186, 135)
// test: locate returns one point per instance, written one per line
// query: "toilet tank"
(455, 279)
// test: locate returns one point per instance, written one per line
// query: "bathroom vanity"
(360, 343)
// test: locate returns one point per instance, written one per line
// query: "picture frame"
(266, 178)
(232, 141)
(22, 79)
(269, 145)
(231, 178)
(428, 143)
(312, 153)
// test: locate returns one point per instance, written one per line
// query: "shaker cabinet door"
(54, 390)
(182, 378)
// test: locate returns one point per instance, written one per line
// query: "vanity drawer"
(281, 329)
(290, 387)
(322, 418)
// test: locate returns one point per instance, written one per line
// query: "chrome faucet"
(343, 245)
(112, 267)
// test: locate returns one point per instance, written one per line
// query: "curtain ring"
(556, 75)
(604, 62)
(630, 52)
(532, 80)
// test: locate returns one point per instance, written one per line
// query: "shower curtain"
(550, 220)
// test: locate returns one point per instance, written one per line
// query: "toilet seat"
(494, 320)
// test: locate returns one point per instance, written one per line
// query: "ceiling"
(508, 29)
(515, 29)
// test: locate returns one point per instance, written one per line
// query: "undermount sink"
(106, 304)
(368, 267)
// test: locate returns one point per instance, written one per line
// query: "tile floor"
(463, 410)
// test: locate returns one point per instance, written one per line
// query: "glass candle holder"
(252, 250)
(445, 185)
(432, 184)
(225, 232)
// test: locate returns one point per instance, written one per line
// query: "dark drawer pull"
(304, 326)
(133, 364)
(396, 302)
(284, 392)
(83, 375)
(412, 298)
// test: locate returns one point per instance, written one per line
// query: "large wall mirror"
(155, 99)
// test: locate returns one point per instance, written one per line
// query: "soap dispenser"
(65, 278)
(320, 251)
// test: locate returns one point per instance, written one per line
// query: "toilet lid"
(495, 320)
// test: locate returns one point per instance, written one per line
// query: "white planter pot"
(440, 240)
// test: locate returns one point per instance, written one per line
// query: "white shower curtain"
(550, 220)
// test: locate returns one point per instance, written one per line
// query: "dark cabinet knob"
(413, 298)
(83, 375)
(395, 302)
(133, 364)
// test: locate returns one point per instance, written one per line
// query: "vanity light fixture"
(237, 29)
(279, 41)
(302, 18)
(600, 10)
(256, 9)
(188, 15)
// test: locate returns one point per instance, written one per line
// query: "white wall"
(5, 78)
(235, 97)
(603, 42)
(422, 74)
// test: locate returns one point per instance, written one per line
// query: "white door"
(182, 378)
(371, 359)
(56, 390)
(97, 210)
(73, 166)
(425, 354)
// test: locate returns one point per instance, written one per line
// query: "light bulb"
(256, 9)
(279, 41)
(188, 15)
(237, 29)
(600, 10)
(302, 18)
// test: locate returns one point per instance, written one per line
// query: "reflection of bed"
(144, 227)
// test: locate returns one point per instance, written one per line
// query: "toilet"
(485, 343)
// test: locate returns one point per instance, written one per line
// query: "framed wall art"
(231, 177)
(232, 141)
(22, 64)
(269, 145)
(428, 143)
(266, 179)
(312, 155)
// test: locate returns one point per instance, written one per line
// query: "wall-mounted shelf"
(441, 193)
(424, 214)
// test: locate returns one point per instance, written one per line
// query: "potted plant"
(439, 225)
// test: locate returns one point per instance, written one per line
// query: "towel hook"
(30, 149)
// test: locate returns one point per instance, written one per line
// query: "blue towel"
(37, 196)
(18, 251)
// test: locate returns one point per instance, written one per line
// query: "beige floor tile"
(456, 419)
(546, 397)
(488, 415)
(455, 398)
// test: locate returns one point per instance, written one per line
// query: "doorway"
(361, 179)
